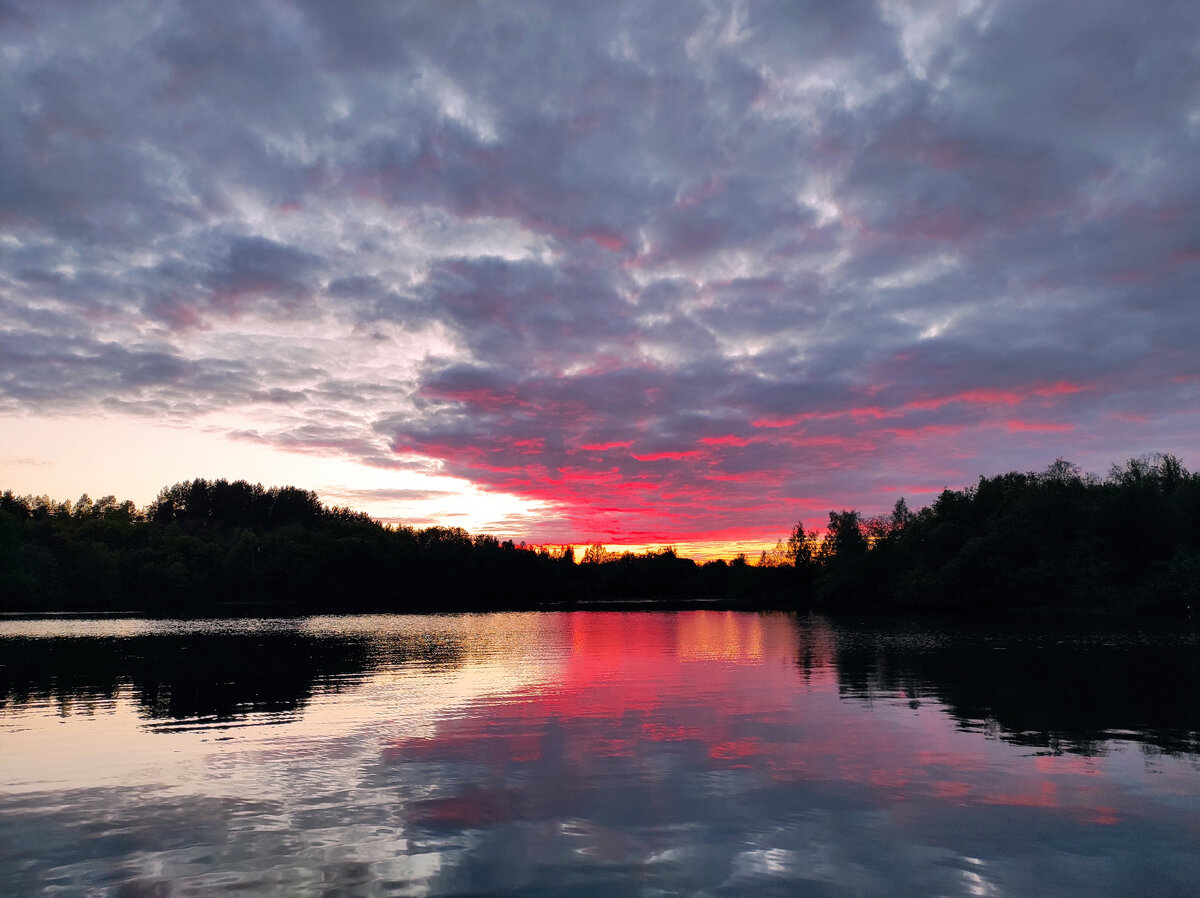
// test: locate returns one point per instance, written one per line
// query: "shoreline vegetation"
(1049, 541)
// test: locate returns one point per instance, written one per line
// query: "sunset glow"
(611, 273)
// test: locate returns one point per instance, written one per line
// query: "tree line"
(1018, 541)
(204, 546)
(1054, 539)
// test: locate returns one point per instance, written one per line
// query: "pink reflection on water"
(660, 702)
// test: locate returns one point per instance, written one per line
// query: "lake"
(605, 753)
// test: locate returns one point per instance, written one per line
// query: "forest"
(1056, 539)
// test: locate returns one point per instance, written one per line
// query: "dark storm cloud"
(679, 269)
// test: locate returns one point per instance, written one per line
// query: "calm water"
(694, 753)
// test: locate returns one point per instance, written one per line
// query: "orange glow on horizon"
(699, 551)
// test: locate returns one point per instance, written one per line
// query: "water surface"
(689, 753)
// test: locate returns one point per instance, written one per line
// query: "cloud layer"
(665, 272)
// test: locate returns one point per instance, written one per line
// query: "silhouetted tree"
(1055, 538)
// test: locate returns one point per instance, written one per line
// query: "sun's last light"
(64, 458)
(699, 551)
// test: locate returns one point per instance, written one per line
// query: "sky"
(635, 273)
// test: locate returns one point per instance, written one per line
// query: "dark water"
(693, 753)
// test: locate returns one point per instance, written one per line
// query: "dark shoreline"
(1016, 544)
(276, 611)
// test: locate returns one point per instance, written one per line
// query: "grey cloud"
(259, 267)
(317, 437)
(40, 369)
(64, 372)
(362, 36)
(386, 495)
(356, 287)
(536, 314)
(279, 395)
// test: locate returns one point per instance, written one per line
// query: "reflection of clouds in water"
(840, 843)
(690, 790)
(151, 842)
(705, 753)
(421, 670)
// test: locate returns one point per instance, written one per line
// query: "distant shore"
(1018, 543)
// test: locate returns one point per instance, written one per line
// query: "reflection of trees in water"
(816, 646)
(217, 677)
(1068, 691)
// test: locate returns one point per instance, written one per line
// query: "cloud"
(755, 251)
(405, 495)
(31, 462)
